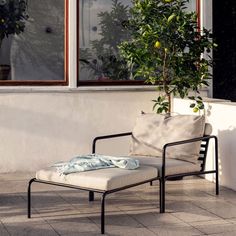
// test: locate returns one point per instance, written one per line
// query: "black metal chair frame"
(202, 157)
(91, 191)
(162, 179)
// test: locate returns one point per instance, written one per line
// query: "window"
(35, 51)
(101, 29)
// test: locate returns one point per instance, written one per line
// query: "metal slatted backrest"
(203, 154)
(204, 146)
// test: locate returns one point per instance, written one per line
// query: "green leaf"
(191, 98)
(159, 110)
(204, 82)
(171, 17)
(154, 106)
(201, 107)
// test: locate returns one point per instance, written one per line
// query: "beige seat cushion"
(102, 179)
(173, 166)
(153, 131)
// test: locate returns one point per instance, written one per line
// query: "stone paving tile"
(47, 199)
(154, 218)
(190, 187)
(30, 229)
(116, 219)
(206, 201)
(214, 227)
(3, 231)
(213, 203)
(74, 226)
(128, 231)
(136, 204)
(231, 220)
(176, 230)
(22, 218)
(191, 205)
(228, 195)
(11, 204)
(232, 233)
(179, 197)
(224, 211)
(180, 206)
(13, 186)
(195, 215)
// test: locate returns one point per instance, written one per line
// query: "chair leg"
(91, 196)
(217, 166)
(29, 197)
(151, 183)
(217, 182)
(162, 194)
(103, 213)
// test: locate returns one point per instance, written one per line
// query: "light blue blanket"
(94, 162)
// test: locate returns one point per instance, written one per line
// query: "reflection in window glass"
(36, 53)
(191, 6)
(101, 29)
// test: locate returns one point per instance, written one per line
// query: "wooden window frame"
(113, 82)
(198, 10)
(66, 65)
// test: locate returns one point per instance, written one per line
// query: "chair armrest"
(108, 137)
(204, 138)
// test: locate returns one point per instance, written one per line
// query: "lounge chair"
(167, 148)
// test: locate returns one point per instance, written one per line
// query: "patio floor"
(192, 209)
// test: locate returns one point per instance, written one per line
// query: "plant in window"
(104, 59)
(12, 20)
(166, 49)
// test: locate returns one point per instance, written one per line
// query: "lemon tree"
(165, 49)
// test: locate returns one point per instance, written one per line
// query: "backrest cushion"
(208, 129)
(153, 131)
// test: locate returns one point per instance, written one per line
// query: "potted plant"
(166, 49)
(13, 14)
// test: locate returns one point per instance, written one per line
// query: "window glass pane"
(191, 6)
(37, 52)
(101, 29)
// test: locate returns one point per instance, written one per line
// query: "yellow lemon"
(157, 44)
(195, 109)
(166, 50)
(168, 1)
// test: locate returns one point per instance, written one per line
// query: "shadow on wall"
(227, 160)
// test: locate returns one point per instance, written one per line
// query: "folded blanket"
(94, 162)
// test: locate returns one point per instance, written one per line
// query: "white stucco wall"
(37, 129)
(221, 115)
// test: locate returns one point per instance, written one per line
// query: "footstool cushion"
(102, 179)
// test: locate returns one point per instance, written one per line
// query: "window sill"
(59, 89)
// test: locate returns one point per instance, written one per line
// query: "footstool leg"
(103, 213)
(29, 197)
(91, 196)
